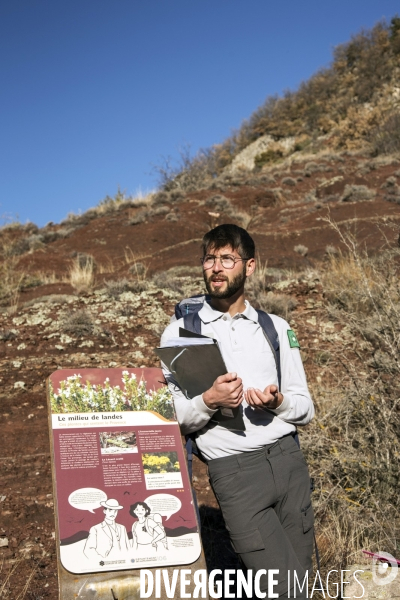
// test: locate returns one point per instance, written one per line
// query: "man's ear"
(250, 266)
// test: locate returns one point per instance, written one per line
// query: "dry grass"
(11, 276)
(266, 299)
(353, 446)
(7, 588)
(138, 268)
(81, 274)
(117, 287)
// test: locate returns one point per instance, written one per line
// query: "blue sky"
(95, 92)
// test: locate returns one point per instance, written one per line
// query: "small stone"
(19, 385)
(3, 542)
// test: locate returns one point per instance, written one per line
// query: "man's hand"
(269, 398)
(226, 392)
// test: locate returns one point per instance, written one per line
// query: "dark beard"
(233, 286)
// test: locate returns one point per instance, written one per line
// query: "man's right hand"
(226, 392)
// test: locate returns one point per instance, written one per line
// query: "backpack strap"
(192, 322)
(148, 527)
(189, 305)
(272, 337)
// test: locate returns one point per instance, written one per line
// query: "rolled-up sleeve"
(192, 413)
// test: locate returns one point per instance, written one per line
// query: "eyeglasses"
(227, 261)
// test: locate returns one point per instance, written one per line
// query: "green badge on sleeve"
(293, 341)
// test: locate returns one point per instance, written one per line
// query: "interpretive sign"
(123, 497)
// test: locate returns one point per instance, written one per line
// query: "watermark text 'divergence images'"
(184, 583)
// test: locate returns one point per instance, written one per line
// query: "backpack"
(158, 520)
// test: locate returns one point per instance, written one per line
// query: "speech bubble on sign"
(87, 498)
(164, 504)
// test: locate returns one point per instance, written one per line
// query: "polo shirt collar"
(208, 314)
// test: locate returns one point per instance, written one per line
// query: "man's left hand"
(269, 398)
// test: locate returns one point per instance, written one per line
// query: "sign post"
(122, 493)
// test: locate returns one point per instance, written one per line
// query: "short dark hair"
(134, 507)
(229, 235)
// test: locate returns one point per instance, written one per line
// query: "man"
(259, 476)
(108, 539)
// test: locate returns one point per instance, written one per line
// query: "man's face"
(222, 282)
(110, 513)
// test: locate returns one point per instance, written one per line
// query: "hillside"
(324, 210)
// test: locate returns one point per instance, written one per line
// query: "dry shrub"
(277, 304)
(166, 280)
(7, 335)
(190, 172)
(161, 198)
(139, 286)
(331, 250)
(79, 324)
(385, 138)
(289, 181)
(173, 216)
(142, 216)
(278, 195)
(344, 282)
(257, 283)
(269, 301)
(389, 183)
(117, 287)
(353, 445)
(392, 190)
(357, 193)
(139, 270)
(81, 273)
(110, 204)
(220, 204)
(301, 249)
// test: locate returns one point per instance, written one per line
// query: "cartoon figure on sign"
(108, 539)
(148, 529)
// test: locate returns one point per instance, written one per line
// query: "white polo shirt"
(245, 351)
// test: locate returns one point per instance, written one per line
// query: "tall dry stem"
(10, 276)
(81, 274)
(353, 446)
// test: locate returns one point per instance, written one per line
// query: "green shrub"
(267, 157)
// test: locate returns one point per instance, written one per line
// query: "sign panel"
(123, 494)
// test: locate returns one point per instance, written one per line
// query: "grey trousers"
(264, 497)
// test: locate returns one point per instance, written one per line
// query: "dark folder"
(195, 368)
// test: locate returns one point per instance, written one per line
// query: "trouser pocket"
(249, 541)
(307, 516)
